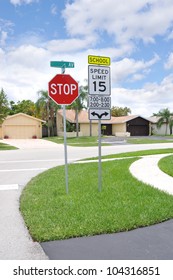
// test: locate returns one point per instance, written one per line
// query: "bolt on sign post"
(99, 99)
(63, 90)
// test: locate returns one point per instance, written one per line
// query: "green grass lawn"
(166, 165)
(4, 146)
(148, 140)
(93, 141)
(123, 204)
(76, 141)
(135, 154)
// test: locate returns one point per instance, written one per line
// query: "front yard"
(110, 140)
(4, 147)
(123, 204)
(76, 141)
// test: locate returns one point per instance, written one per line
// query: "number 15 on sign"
(99, 80)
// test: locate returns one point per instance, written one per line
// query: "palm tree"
(46, 109)
(165, 116)
(170, 126)
(79, 104)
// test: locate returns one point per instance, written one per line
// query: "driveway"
(30, 143)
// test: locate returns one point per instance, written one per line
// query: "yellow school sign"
(99, 60)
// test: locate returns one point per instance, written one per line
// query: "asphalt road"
(149, 243)
(17, 167)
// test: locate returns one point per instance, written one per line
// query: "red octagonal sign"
(63, 89)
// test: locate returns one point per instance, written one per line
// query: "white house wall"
(161, 130)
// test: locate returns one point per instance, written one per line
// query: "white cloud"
(3, 38)
(20, 2)
(169, 62)
(69, 45)
(6, 28)
(129, 67)
(28, 56)
(54, 9)
(148, 100)
(26, 70)
(114, 52)
(125, 20)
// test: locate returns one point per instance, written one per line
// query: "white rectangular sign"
(99, 80)
(99, 101)
(99, 114)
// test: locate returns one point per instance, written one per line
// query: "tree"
(171, 126)
(165, 116)
(4, 106)
(120, 111)
(46, 109)
(25, 106)
(79, 104)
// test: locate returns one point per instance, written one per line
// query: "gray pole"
(65, 143)
(99, 162)
(65, 150)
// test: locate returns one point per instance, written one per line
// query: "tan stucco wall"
(85, 129)
(118, 128)
(0, 132)
(59, 123)
(21, 120)
(22, 127)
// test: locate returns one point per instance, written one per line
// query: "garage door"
(20, 131)
(138, 127)
(138, 130)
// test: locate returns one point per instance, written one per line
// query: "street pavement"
(148, 243)
(17, 167)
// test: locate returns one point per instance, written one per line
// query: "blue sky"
(137, 35)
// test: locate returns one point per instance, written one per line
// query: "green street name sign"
(62, 64)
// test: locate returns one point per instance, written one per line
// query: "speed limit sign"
(99, 80)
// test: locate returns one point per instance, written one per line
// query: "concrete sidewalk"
(15, 241)
(147, 171)
(30, 143)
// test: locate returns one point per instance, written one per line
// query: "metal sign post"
(100, 157)
(63, 93)
(99, 100)
(65, 150)
(65, 143)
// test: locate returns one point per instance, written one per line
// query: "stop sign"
(63, 89)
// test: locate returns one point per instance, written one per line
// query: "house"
(84, 123)
(164, 129)
(119, 126)
(21, 126)
(0, 131)
(133, 125)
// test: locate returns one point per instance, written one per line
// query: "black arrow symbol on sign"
(99, 116)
